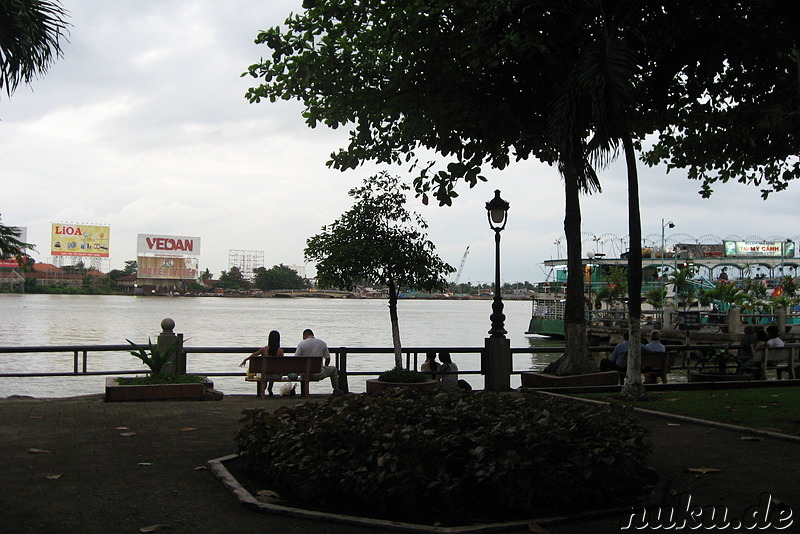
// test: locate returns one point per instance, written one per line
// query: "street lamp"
(663, 246)
(497, 212)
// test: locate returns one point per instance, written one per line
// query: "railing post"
(734, 320)
(341, 364)
(167, 339)
(666, 319)
(780, 319)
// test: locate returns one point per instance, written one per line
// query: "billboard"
(79, 240)
(167, 245)
(772, 249)
(166, 268)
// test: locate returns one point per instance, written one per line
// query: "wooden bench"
(782, 359)
(263, 367)
(663, 361)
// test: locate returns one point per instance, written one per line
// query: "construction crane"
(461, 267)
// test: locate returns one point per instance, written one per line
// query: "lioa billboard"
(79, 240)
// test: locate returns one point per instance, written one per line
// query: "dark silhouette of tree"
(380, 242)
(30, 39)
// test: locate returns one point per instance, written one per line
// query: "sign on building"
(167, 257)
(763, 250)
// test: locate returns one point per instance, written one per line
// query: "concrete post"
(780, 319)
(167, 340)
(666, 322)
(734, 320)
(497, 364)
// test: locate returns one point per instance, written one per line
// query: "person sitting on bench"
(273, 348)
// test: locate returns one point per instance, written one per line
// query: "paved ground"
(119, 467)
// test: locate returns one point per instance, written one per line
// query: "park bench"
(655, 365)
(263, 367)
(782, 359)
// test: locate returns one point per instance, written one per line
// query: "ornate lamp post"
(496, 359)
(497, 212)
(663, 246)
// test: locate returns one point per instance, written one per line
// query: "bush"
(434, 457)
(402, 376)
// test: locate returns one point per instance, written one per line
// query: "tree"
(378, 241)
(748, 74)
(566, 81)
(473, 81)
(279, 277)
(11, 246)
(30, 39)
(206, 275)
(681, 281)
(232, 279)
(131, 267)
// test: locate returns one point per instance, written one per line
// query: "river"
(40, 320)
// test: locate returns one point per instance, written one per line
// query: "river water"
(40, 320)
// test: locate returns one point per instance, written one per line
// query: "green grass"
(772, 409)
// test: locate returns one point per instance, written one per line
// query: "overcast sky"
(143, 126)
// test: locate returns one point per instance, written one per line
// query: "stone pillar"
(734, 320)
(497, 364)
(169, 341)
(666, 321)
(780, 319)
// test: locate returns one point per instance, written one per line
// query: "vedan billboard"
(763, 250)
(167, 245)
(166, 268)
(79, 240)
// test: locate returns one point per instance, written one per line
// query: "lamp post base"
(497, 364)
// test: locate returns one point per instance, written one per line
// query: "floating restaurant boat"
(731, 260)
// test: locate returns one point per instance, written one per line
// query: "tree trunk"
(398, 349)
(576, 358)
(633, 388)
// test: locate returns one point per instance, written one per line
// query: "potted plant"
(402, 378)
(159, 383)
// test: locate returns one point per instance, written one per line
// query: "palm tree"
(30, 39)
(10, 244)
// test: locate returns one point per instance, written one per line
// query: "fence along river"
(58, 320)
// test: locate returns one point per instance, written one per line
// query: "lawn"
(772, 409)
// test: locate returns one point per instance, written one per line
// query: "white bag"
(287, 389)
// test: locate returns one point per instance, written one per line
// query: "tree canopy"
(279, 277)
(11, 246)
(378, 241)
(481, 83)
(30, 39)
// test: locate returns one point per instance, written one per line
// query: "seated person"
(750, 341)
(617, 358)
(312, 346)
(273, 348)
(773, 337)
(430, 365)
(655, 345)
(449, 370)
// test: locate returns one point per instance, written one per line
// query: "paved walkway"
(82, 465)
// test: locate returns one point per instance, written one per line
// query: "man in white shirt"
(311, 346)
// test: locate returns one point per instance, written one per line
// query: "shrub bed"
(450, 459)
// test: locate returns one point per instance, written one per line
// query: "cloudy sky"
(143, 126)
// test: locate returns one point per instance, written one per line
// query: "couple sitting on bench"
(619, 357)
(309, 347)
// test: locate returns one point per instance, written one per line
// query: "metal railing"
(412, 357)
